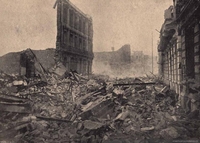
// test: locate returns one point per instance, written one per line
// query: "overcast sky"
(32, 23)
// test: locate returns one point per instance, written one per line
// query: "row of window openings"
(172, 75)
(78, 42)
(171, 67)
(78, 24)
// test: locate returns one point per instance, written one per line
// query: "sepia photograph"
(100, 71)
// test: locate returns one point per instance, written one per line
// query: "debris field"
(77, 109)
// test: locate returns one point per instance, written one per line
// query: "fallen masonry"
(71, 108)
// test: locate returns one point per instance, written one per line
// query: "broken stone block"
(79, 126)
(11, 98)
(29, 118)
(129, 128)
(168, 116)
(91, 125)
(127, 122)
(193, 115)
(165, 89)
(194, 105)
(148, 128)
(9, 85)
(118, 91)
(19, 108)
(93, 85)
(12, 89)
(183, 97)
(109, 87)
(142, 92)
(169, 133)
(60, 70)
(174, 118)
(18, 82)
(63, 115)
(45, 135)
(195, 101)
(122, 116)
(99, 108)
(161, 124)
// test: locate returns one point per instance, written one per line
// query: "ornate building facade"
(179, 51)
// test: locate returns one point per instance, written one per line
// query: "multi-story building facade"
(167, 50)
(179, 53)
(188, 19)
(74, 45)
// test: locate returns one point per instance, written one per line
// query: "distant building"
(123, 63)
(137, 56)
(179, 50)
(74, 44)
(123, 55)
(114, 62)
(143, 63)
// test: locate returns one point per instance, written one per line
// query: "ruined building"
(167, 49)
(179, 53)
(27, 64)
(123, 55)
(114, 62)
(32, 62)
(143, 63)
(74, 45)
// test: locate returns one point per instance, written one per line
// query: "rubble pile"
(76, 109)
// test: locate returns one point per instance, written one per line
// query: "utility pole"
(152, 52)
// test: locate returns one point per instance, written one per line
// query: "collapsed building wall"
(10, 63)
(27, 63)
(74, 45)
(31, 66)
